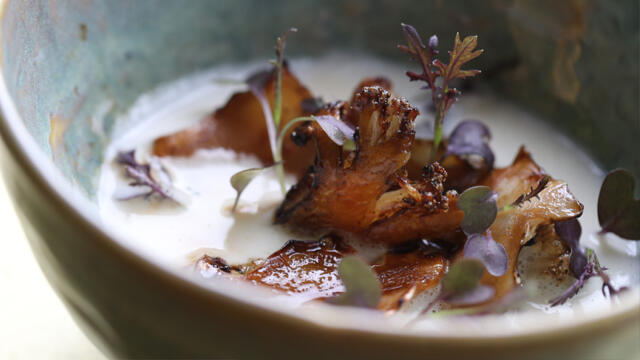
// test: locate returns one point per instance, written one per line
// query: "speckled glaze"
(70, 68)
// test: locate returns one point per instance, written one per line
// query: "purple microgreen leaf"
(422, 54)
(486, 249)
(569, 232)
(240, 180)
(479, 204)
(618, 210)
(591, 269)
(142, 175)
(337, 130)
(471, 139)
(362, 287)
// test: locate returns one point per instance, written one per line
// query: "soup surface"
(177, 235)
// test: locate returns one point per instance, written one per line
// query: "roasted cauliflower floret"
(517, 225)
(365, 192)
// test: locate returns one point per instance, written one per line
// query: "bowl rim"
(39, 167)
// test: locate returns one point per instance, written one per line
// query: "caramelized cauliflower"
(365, 192)
(517, 225)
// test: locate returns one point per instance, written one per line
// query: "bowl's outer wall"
(131, 310)
(73, 67)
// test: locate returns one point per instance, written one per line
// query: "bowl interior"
(73, 69)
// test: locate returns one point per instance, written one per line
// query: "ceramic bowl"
(71, 68)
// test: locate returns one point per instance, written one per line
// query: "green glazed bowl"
(69, 69)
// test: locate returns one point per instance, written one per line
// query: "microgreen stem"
(277, 106)
(277, 155)
(437, 131)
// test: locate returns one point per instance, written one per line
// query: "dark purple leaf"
(337, 130)
(479, 204)
(141, 175)
(471, 138)
(534, 192)
(484, 248)
(591, 269)
(618, 210)
(422, 54)
(569, 232)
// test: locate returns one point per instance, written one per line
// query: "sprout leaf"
(362, 287)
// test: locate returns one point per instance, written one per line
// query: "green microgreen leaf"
(618, 210)
(479, 204)
(240, 180)
(463, 277)
(461, 285)
(362, 287)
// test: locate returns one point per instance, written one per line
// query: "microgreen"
(479, 204)
(362, 287)
(240, 180)
(469, 140)
(281, 42)
(591, 269)
(338, 131)
(143, 175)
(444, 95)
(569, 232)
(618, 210)
(461, 285)
(484, 248)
